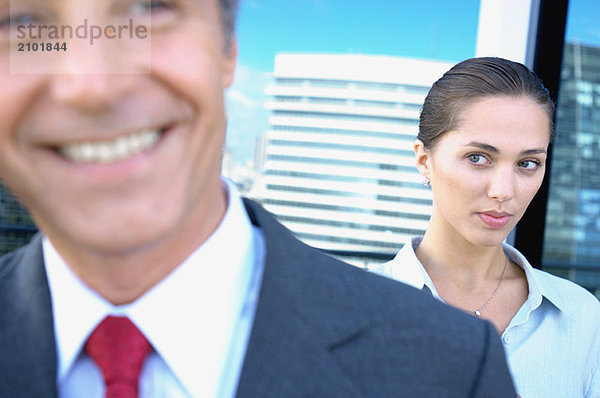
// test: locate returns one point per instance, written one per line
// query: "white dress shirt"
(552, 343)
(198, 319)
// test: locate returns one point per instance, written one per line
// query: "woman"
(482, 145)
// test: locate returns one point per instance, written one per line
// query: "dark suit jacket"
(322, 329)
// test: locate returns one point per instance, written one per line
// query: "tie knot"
(119, 349)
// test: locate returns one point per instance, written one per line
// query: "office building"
(340, 169)
(572, 236)
(16, 227)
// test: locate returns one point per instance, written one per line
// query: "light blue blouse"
(552, 343)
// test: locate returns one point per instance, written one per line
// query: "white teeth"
(110, 151)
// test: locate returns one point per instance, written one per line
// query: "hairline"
(463, 104)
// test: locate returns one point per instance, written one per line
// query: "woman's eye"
(477, 159)
(529, 164)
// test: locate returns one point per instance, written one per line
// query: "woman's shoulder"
(573, 297)
(569, 297)
(405, 266)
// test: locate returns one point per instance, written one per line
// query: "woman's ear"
(422, 160)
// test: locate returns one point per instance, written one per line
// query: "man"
(116, 152)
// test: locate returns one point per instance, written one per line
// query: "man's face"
(117, 162)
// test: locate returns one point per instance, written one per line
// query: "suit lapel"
(298, 325)
(28, 360)
(291, 346)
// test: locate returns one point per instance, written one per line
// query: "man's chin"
(108, 240)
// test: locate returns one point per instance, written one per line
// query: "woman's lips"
(495, 220)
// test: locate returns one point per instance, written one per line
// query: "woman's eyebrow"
(493, 149)
(481, 145)
(534, 151)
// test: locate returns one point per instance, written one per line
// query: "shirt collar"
(407, 268)
(537, 289)
(189, 315)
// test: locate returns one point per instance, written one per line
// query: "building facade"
(572, 235)
(16, 227)
(339, 168)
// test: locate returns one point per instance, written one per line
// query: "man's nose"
(91, 75)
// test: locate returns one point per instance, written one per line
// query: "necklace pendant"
(477, 312)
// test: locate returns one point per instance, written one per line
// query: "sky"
(583, 22)
(417, 28)
(430, 29)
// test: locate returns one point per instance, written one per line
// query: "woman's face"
(486, 171)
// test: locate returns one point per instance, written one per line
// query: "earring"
(427, 181)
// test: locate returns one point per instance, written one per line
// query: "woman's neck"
(476, 278)
(451, 257)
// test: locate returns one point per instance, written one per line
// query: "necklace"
(478, 310)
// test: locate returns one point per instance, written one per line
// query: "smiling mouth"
(110, 151)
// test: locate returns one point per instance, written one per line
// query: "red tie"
(119, 350)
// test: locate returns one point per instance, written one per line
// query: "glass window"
(342, 83)
(572, 234)
(16, 227)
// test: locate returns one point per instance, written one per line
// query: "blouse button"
(506, 339)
